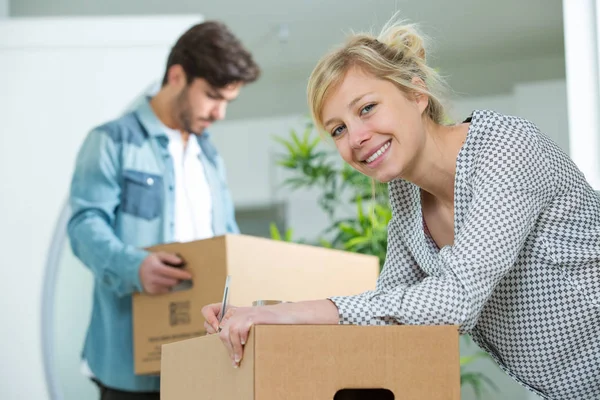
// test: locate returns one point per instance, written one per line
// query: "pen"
(224, 302)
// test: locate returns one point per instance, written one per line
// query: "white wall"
(582, 55)
(250, 151)
(4, 9)
(55, 86)
(481, 76)
(462, 107)
(545, 103)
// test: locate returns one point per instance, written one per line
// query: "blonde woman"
(494, 228)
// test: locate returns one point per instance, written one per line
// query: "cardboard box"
(260, 269)
(318, 362)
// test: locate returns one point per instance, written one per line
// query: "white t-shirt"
(193, 201)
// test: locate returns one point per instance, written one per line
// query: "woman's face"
(376, 127)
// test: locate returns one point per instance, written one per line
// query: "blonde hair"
(397, 54)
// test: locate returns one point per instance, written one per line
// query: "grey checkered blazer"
(523, 275)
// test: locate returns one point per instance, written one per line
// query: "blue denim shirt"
(122, 200)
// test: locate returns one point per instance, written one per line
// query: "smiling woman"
(484, 232)
(347, 89)
(362, 104)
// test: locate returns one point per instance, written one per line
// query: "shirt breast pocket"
(142, 194)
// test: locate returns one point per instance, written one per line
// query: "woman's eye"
(366, 109)
(337, 131)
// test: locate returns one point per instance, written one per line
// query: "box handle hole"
(364, 394)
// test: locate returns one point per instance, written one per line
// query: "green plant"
(340, 186)
(312, 166)
(477, 380)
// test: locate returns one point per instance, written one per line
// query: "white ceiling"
(462, 31)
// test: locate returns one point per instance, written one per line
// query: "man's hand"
(157, 276)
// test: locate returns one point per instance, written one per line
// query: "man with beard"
(152, 176)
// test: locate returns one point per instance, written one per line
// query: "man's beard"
(184, 115)
(186, 123)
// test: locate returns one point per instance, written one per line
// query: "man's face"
(199, 104)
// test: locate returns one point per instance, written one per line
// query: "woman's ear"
(420, 97)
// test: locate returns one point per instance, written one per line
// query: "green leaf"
(464, 360)
(346, 228)
(288, 235)
(477, 381)
(315, 142)
(275, 235)
(474, 381)
(325, 243)
(296, 141)
(290, 147)
(359, 208)
(288, 163)
(295, 183)
(361, 240)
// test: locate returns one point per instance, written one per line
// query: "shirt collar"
(148, 119)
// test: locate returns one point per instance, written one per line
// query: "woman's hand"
(211, 316)
(237, 321)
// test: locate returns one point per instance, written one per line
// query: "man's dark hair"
(210, 50)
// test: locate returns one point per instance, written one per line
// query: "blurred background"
(68, 65)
